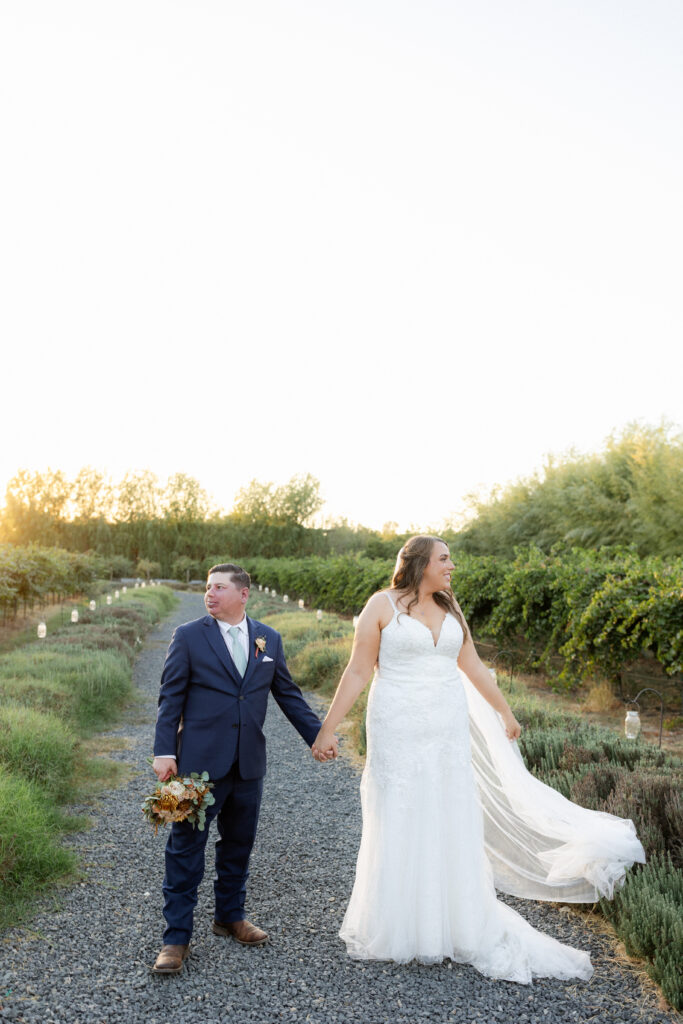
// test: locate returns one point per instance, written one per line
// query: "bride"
(450, 813)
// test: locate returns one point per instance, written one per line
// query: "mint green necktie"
(238, 655)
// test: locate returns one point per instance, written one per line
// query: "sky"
(408, 247)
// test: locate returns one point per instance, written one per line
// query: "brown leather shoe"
(170, 959)
(242, 931)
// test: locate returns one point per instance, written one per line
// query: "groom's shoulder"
(264, 626)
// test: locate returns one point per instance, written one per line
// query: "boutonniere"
(260, 642)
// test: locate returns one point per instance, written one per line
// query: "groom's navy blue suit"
(222, 715)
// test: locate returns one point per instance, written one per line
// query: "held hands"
(164, 768)
(325, 746)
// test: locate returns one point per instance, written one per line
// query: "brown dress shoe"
(170, 959)
(242, 931)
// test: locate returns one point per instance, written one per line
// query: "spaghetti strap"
(391, 600)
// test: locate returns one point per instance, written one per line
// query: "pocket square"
(266, 658)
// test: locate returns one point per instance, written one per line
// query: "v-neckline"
(428, 628)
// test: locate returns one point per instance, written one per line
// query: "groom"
(215, 683)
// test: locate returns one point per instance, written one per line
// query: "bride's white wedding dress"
(450, 813)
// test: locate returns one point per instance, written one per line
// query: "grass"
(85, 687)
(54, 695)
(31, 856)
(601, 698)
(38, 746)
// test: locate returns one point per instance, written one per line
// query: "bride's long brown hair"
(413, 559)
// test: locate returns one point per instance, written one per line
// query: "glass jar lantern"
(632, 724)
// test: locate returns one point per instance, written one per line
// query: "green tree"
(36, 504)
(184, 499)
(293, 503)
(147, 568)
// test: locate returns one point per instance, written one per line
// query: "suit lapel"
(216, 640)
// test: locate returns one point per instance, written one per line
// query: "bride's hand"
(513, 729)
(325, 746)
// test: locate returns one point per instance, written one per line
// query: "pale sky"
(409, 247)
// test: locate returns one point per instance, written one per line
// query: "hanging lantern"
(273, 593)
(632, 724)
(42, 630)
(74, 614)
(267, 590)
(301, 602)
(143, 584)
(260, 586)
(137, 585)
(108, 598)
(116, 595)
(285, 599)
(319, 614)
(92, 605)
(124, 590)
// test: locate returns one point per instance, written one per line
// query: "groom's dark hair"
(237, 574)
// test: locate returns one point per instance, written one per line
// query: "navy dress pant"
(236, 809)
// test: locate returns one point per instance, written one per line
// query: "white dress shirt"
(243, 637)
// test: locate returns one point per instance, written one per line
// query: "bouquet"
(180, 799)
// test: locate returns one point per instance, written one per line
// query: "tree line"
(576, 613)
(630, 494)
(145, 526)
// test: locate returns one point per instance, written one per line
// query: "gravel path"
(87, 963)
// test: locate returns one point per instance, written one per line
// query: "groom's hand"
(164, 768)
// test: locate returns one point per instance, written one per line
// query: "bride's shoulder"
(381, 606)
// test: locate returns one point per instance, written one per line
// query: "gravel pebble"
(88, 961)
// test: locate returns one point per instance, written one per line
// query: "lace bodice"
(417, 709)
(407, 650)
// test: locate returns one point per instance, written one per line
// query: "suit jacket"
(222, 713)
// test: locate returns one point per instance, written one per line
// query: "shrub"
(320, 664)
(651, 800)
(646, 913)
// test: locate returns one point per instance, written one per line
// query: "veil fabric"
(540, 845)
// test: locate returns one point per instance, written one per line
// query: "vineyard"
(577, 614)
(31, 575)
